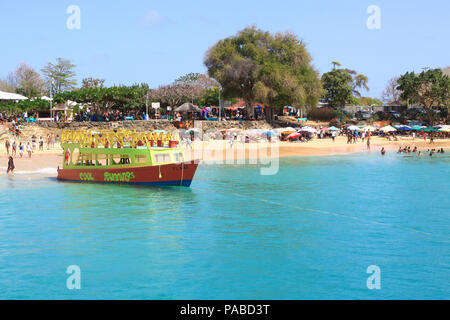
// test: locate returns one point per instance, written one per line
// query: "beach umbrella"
(188, 107)
(192, 131)
(404, 128)
(293, 136)
(333, 128)
(444, 129)
(308, 129)
(428, 129)
(352, 128)
(370, 128)
(416, 128)
(388, 129)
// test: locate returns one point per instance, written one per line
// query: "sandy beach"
(219, 151)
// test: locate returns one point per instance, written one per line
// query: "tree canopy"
(60, 75)
(101, 99)
(342, 86)
(429, 89)
(257, 66)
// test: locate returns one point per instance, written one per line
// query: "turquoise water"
(309, 232)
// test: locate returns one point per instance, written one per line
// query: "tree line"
(253, 65)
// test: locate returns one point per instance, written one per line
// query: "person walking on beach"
(368, 143)
(41, 144)
(333, 135)
(29, 150)
(52, 140)
(7, 145)
(10, 165)
(20, 149)
(14, 148)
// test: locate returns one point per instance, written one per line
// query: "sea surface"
(308, 232)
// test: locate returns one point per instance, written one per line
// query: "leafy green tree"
(60, 75)
(257, 66)
(359, 82)
(88, 83)
(368, 101)
(342, 86)
(335, 64)
(188, 78)
(102, 99)
(338, 87)
(430, 89)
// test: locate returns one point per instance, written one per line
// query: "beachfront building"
(9, 96)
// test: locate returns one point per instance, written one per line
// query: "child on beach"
(41, 144)
(29, 150)
(10, 165)
(20, 149)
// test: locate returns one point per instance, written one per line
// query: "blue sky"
(130, 41)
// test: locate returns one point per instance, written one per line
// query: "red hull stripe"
(171, 174)
(184, 183)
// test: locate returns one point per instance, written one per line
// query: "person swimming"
(11, 166)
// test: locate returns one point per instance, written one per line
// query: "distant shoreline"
(216, 151)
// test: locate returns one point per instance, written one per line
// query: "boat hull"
(177, 174)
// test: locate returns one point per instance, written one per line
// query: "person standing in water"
(10, 165)
(383, 151)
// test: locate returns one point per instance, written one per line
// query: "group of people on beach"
(353, 136)
(12, 147)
